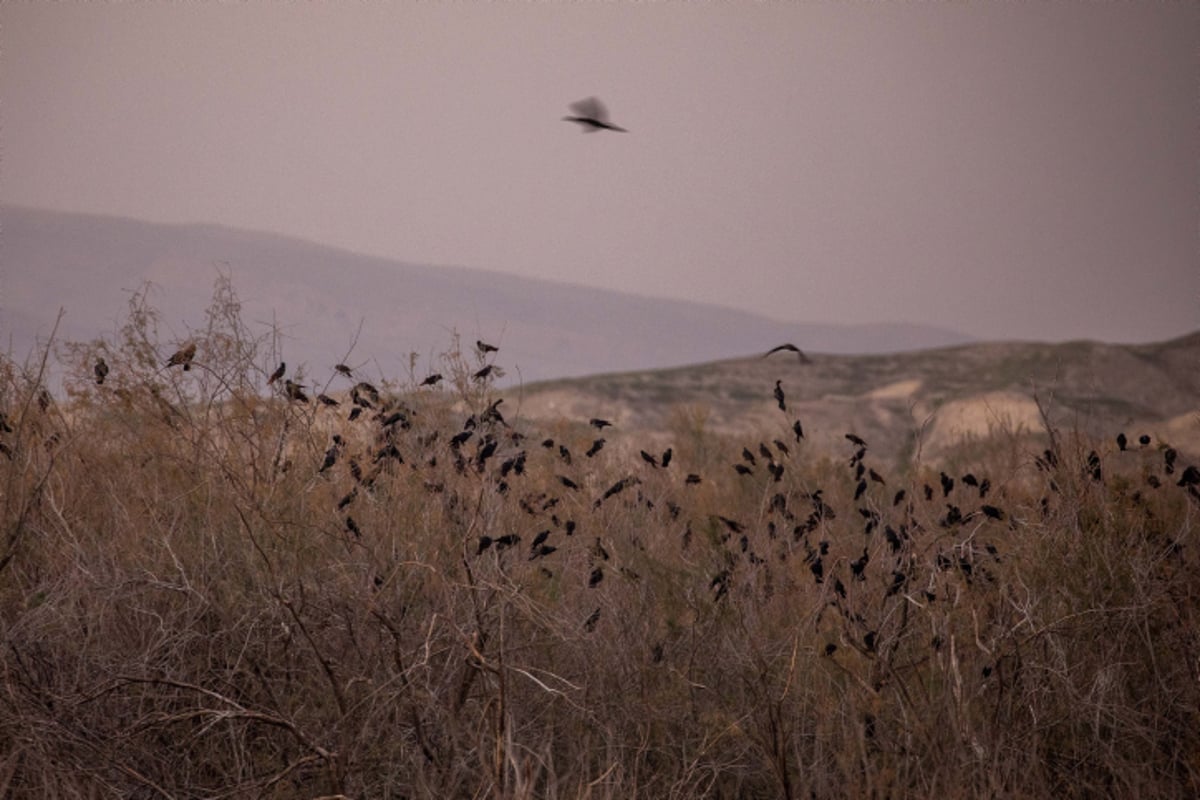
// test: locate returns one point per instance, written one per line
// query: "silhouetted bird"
(742, 469)
(748, 456)
(899, 498)
(591, 116)
(595, 448)
(484, 348)
(589, 624)
(1190, 477)
(856, 440)
(1122, 442)
(326, 400)
(692, 479)
(599, 424)
(295, 392)
(947, 484)
(342, 368)
(432, 380)
(666, 457)
(484, 543)
(782, 448)
(278, 373)
(649, 459)
(183, 357)
(970, 480)
(485, 372)
(567, 482)
(991, 512)
(791, 348)
(779, 396)
(101, 371)
(860, 489)
(875, 476)
(798, 430)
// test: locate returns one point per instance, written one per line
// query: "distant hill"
(932, 399)
(318, 296)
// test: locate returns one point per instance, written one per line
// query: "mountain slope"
(318, 296)
(930, 399)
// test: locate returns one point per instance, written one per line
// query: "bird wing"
(789, 347)
(590, 107)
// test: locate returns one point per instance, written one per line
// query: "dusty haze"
(1009, 171)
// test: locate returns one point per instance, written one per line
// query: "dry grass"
(190, 607)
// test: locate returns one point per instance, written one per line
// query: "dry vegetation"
(194, 603)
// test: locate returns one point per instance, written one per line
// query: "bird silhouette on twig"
(592, 116)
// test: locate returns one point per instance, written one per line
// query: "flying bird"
(791, 348)
(591, 116)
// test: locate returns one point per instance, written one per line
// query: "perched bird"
(798, 429)
(595, 448)
(278, 373)
(666, 457)
(183, 357)
(342, 368)
(101, 371)
(1122, 442)
(484, 373)
(591, 115)
(947, 484)
(326, 400)
(791, 348)
(856, 440)
(649, 459)
(484, 348)
(599, 424)
(295, 392)
(432, 380)
(779, 396)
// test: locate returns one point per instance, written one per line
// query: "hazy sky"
(1010, 170)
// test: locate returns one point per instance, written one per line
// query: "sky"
(1007, 170)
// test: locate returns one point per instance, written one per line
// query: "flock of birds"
(797, 520)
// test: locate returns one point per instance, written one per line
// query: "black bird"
(595, 578)
(860, 489)
(779, 396)
(692, 479)
(899, 498)
(742, 469)
(947, 485)
(484, 543)
(589, 624)
(1190, 477)
(970, 480)
(342, 368)
(537, 540)
(278, 373)
(783, 448)
(485, 372)
(856, 440)
(791, 348)
(183, 357)
(432, 380)
(649, 459)
(798, 430)
(666, 457)
(295, 392)
(748, 456)
(484, 348)
(326, 400)
(595, 448)
(991, 512)
(591, 116)
(875, 476)
(101, 371)
(1122, 442)
(599, 424)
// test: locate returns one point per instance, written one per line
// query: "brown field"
(192, 606)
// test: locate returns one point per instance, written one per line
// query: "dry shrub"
(192, 606)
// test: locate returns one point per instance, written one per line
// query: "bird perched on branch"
(278, 373)
(100, 371)
(592, 116)
(183, 357)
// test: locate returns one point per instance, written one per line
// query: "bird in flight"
(791, 348)
(591, 115)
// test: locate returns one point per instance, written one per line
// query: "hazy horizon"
(1025, 172)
